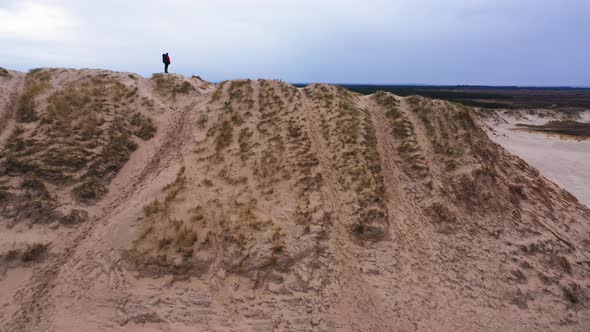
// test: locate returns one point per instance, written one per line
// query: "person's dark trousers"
(166, 67)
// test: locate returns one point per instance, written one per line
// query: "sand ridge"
(260, 206)
(561, 159)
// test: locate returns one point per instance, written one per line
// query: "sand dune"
(562, 159)
(170, 203)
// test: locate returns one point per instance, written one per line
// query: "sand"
(324, 211)
(564, 160)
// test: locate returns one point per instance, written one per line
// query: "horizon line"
(349, 83)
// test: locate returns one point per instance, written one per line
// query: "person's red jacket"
(168, 58)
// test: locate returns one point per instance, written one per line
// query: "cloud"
(34, 21)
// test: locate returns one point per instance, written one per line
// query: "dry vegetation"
(170, 86)
(448, 125)
(246, 149)
(4, 73)
(23, 255)
(403, 129)
(33, 252)
(76, 137)
(568, 127)
(351, 140)
(166, 240)
(482, 187)
(37, 81)
(270, 166)
(143, 126)
(218, 92)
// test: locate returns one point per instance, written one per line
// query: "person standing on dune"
(166, 60)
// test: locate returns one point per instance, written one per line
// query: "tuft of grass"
(15, 166)
(4, 73)
(174, 188)
(359, 229)
(71, 157)
(197, 214)
(144, 126)
(442, 213)
(202, 120)
(34, 184)
(218, 92)
(224, 139)
(367, 229)
(237, 118)
(186, 236)
(152, 208)
(165, 240)
(164, 243)
(11, 255)
(26, 109)
(245, 143)
(35, 71)
(90, 190)
(34, 252)
(132, 93)
(75, 217)
(573, 293)
(169, 86)
(113, 156)
(184, 88)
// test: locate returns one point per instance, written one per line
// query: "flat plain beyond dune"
(173, 204)
(564, 159)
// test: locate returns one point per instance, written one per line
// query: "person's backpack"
(168, 58)
(164, 58)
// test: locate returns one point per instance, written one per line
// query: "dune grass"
(170, 86)
(36, 83)
(4, 73)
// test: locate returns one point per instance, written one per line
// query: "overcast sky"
(494, 42)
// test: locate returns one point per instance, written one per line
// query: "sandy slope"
(560, 159)
(312, 209)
